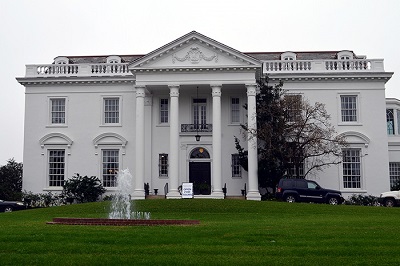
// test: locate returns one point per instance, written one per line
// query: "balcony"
(77, 70)
(323, 66)
(193, 128)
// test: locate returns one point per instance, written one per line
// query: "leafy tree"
(290, 132)
(11, 180)
(83, 188)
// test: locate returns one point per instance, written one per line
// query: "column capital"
(140, 91)
(173, 90)
(216, 86)
(172, 86)
(216, 90)
(251, 89)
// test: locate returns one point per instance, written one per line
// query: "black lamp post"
(197, 125)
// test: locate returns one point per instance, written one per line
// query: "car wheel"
(8, 209)
(390, 203)
(290, 198)
(333, 201)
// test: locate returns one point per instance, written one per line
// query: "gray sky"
(35, 32)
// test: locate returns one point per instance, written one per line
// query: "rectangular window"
(200, 113)
(163, 164)
(56, 168)
(235, 110)
(110, 167)
(348, 108)
(352, 168)
(163, 111)
(111, 110)
(57, 111)
(398, 120)
(291, 171)
(390, 121)
(236, 168)
(394, 172)
(293, 107)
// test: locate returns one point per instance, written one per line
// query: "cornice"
(43, 81)
(333, 77)
(195, 69)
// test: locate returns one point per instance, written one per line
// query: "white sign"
(187, 190)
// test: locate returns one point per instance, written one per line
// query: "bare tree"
(295, 137)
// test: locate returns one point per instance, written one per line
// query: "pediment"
(193, 51)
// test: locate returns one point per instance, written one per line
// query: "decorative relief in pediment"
(194, 56)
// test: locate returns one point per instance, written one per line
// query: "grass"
(231, 232)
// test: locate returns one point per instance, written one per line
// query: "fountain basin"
(120, 222)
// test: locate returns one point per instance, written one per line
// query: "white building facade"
(95, 115)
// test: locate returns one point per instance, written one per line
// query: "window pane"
(394, 172)
(56, 168)
(164, 111)
(349, 108)
(111, 111)
(293, 107)
(390, 121)
(58, 111)
(235, 110)
(110, 167)
(351, 168)
(163, 164)
(236, 168)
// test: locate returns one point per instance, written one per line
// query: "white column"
(174, 144)
(138, 192)
(253, 192)
(216, 143)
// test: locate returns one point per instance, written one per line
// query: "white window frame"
(288, 56)
(104, 149)
(113, 59)
(345, 55)
(160, 165)
(294, 114)
(358, 121)
(394, 172)
(50, 100)
(48, 180)
(103, 111)
(236, 168)
(361, 175)
(393, 126)
(239, 115)
(160, 110)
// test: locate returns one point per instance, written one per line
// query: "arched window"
(113, 59)
(199, 153)
(61, 60)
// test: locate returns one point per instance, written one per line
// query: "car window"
(287, 183)
(301, 184)
(312, 185)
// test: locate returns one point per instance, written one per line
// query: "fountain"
(121, 207)
(121, 210)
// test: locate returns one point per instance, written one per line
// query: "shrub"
(396, 185)
(41, 200)
(363, 200)
(83, 188)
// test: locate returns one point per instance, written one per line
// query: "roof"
(310, 55)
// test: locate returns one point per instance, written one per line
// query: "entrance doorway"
(200, 171)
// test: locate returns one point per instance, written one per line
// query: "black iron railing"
(196, 127)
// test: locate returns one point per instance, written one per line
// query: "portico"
(194, 61)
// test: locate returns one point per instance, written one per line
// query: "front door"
(200, 176)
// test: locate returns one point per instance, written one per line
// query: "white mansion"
(170, 116)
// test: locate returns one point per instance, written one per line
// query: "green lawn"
(231, 232)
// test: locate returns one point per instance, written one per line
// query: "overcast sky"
(35, 32)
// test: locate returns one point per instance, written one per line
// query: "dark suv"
(292, 190)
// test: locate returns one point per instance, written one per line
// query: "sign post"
(187, 190)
